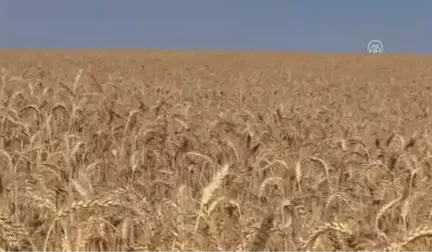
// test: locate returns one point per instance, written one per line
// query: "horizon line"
(215, 50)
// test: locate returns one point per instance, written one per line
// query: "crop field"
(128, 150)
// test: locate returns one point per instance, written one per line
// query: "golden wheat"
(132, 151)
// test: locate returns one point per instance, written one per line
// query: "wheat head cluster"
(165, 151)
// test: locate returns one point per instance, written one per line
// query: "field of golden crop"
(148, 150)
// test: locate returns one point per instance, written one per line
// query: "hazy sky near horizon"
(288, 25)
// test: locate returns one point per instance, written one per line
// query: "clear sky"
(289, 25)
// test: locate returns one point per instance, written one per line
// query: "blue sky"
(288, 25)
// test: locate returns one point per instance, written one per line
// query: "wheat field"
(128, 150)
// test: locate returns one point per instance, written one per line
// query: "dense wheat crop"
(146, 150)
